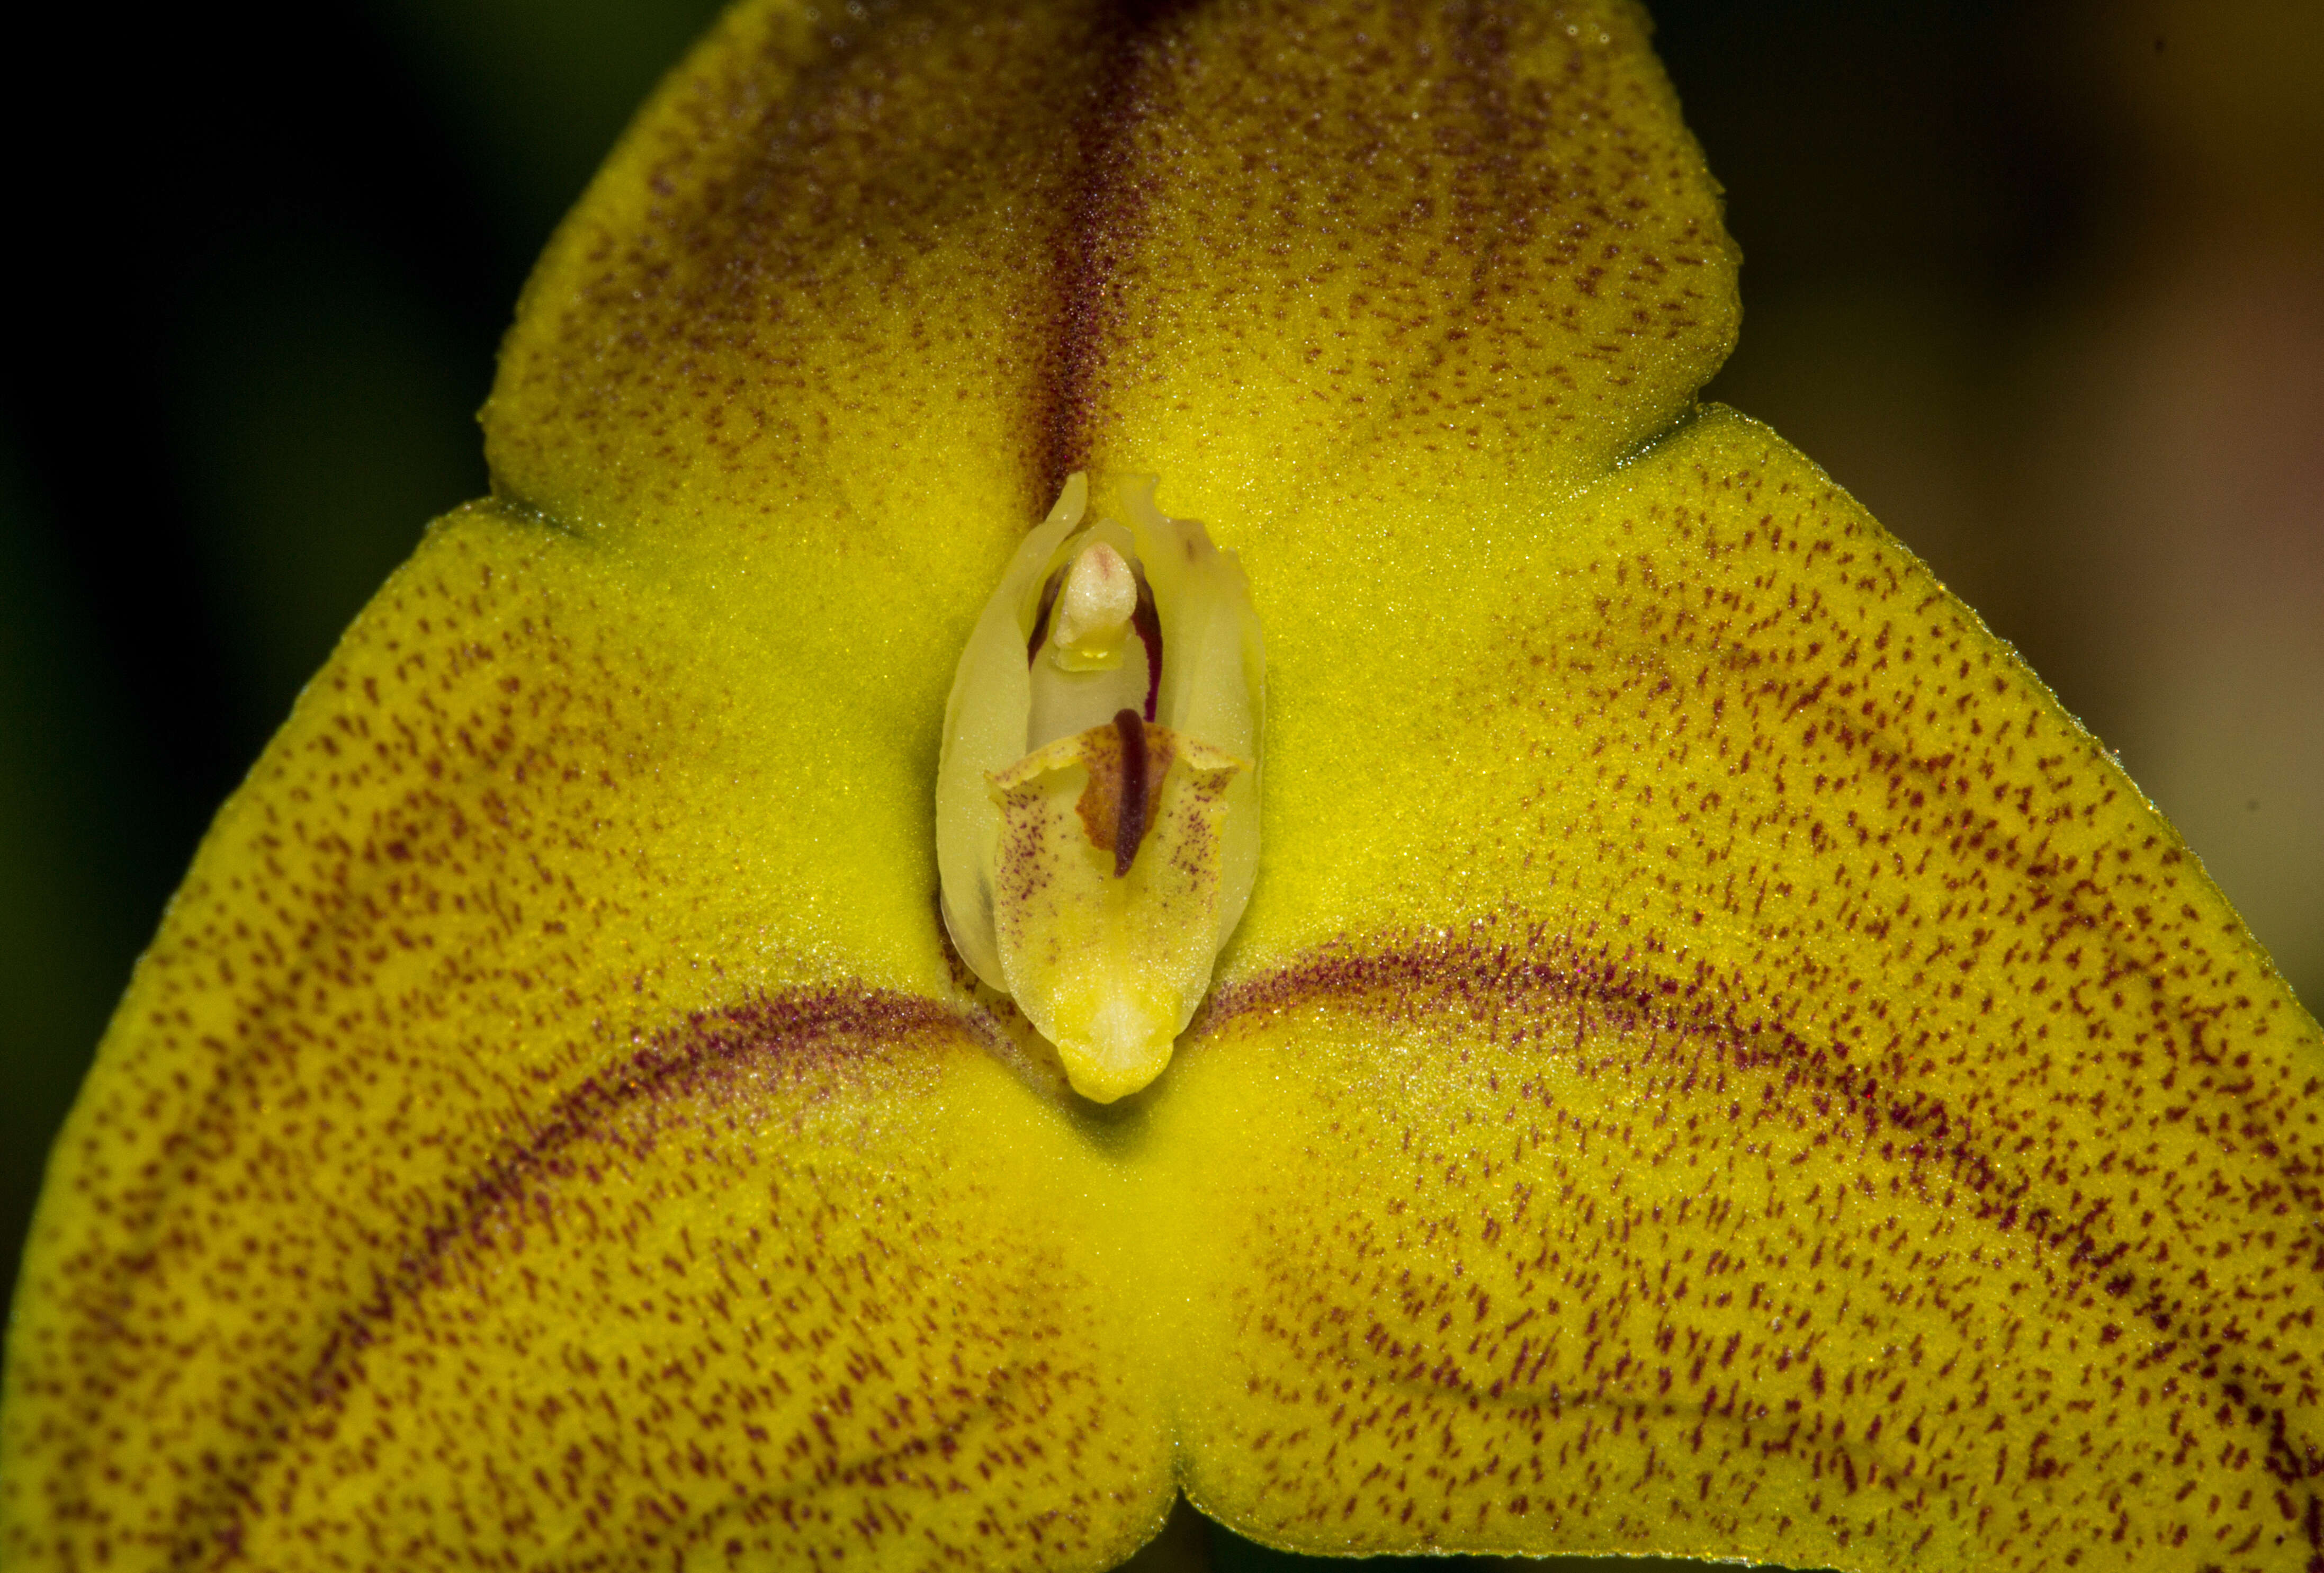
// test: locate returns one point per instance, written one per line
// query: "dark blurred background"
(2042, 283)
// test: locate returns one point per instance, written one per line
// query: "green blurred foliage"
(2064, 335)
(75, 821)
(538, 89)
(323, 413)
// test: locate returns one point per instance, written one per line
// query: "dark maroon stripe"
(1479, 981)
(758, 1048)
(1105, 220)
(1041, 618)
(1148, 624)
(1130, 822)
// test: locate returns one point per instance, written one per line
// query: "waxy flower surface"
(1714, 1060)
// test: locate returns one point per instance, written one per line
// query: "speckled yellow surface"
(1714, 1061)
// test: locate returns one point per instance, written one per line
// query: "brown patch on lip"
(1127, 762)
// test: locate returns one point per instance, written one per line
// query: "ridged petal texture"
(1715, 1060)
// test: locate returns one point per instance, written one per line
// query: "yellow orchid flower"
(1714, 1060)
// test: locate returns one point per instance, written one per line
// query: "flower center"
(1097, 806)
